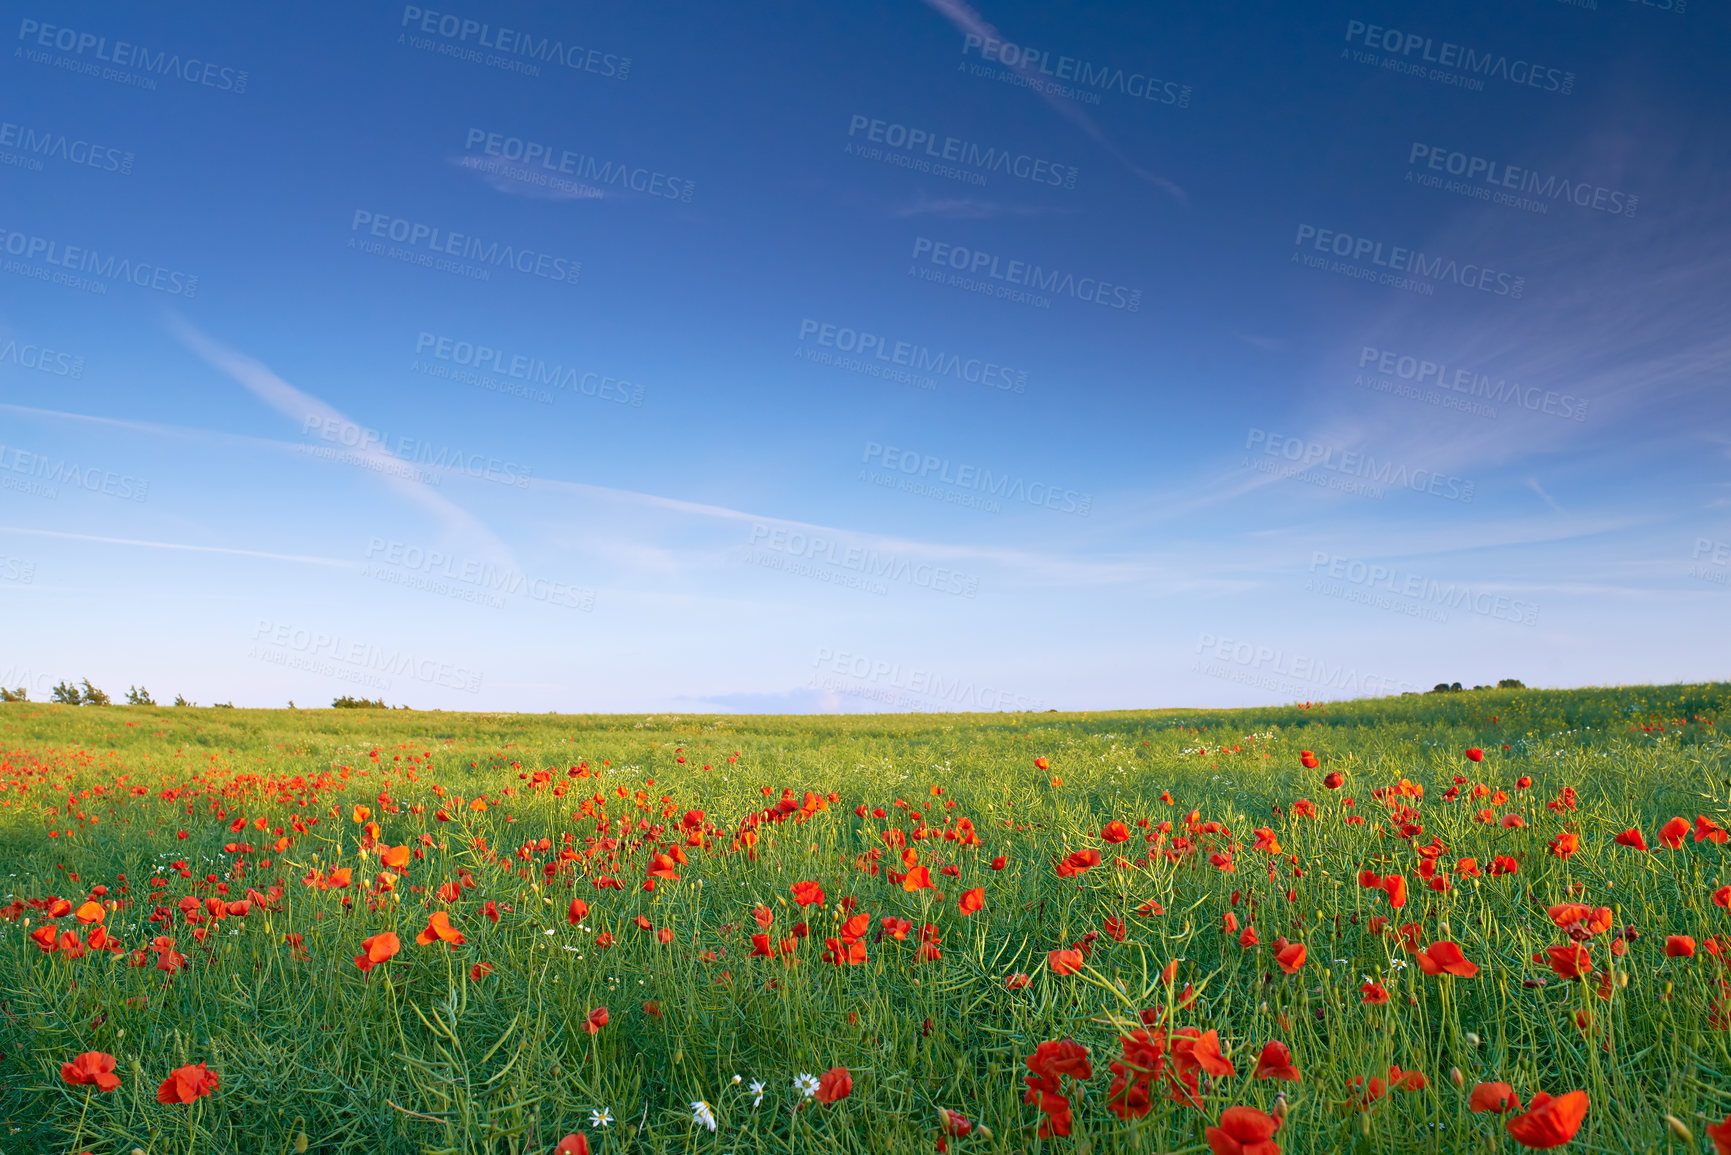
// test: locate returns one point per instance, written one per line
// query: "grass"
(417, 1055)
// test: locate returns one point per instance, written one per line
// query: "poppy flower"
(1308, 760)
(380, 948)
(480, 971)
(1679, 946)
(90, 912)
(1275, 1062)
(1000, 862)
(1632, 837)
(1549, 1122)
(596, 1020)
(1445, 958)
(92, 1068)
(1064, 962)
(1474, 754)
(972, 900)
(1720, 1133)
(833, 1085)
(1196, 1050)
(807, 893)
(1706, 828)
(918, 878)
(1291, 957)
(1673, 833)
(1040, 763)
(1722, 896)
(1565, 844)
(1493, 1097)
(439, 929)
(1244, 1131)
(1334, 780)
(1018, 982)
(1115, 831)
(186, 1084)
(1374, 993)
(573, 1144)
(576, 912)
(1570, 962)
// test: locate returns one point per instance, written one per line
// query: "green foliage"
(139, 696)
(179, 700)
(93, 696)
(18, 695)
(415, 1056)
(67, 694)
(347, 703)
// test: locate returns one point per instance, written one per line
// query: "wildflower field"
(1477, 921)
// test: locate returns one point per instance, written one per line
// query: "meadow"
(1477, 921)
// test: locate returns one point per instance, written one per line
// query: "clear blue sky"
(680, 358)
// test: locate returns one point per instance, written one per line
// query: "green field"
(223, 830)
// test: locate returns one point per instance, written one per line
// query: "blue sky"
(935, 356)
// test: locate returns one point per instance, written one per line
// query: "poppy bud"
(301, 1143)
(1679, 1129)
(1279, 1111)
(1455, 1077)
(1472, 1038)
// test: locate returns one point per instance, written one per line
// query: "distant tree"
(18, 695)
(347, 703)
(67, 694)
(1511, 684)
(93, 696)
(139, 696)
(179, 700)
(222, 705)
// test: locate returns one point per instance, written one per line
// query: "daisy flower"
(805, 1084)
(600, 1118)
(757, 1089)
(700, 1113)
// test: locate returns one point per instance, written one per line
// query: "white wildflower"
(700, 1113)
(600, 1118)
(757, 1089)
(805, 1084)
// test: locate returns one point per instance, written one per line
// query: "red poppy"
(918, 878)
(480, 971)
(1308, 760)
(1334, 780)
(1679, 946)
(1291, 957)
(1720, 1133)
(972, 900)
(1632, 837)
(380, 948)
(1673, 833)
(439, 929)
(1115, 831)
(807, 893)
(834, 1085)
(185, 1084)
(1475, 754)
(1706, 828)
(1064, 962)
(1040, 763)
(1374, 993)
(1196, 1050)
(1244, 1131)
(1570, 962)
(1565, 844)
(577, 911)
(1493, 1097)
(92, 1068)
(1395, 886)
(1549, 1122)
(1440, 958)
(1275, 1062)
(596, 1020)
(573, 1144)
(1000, 862)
